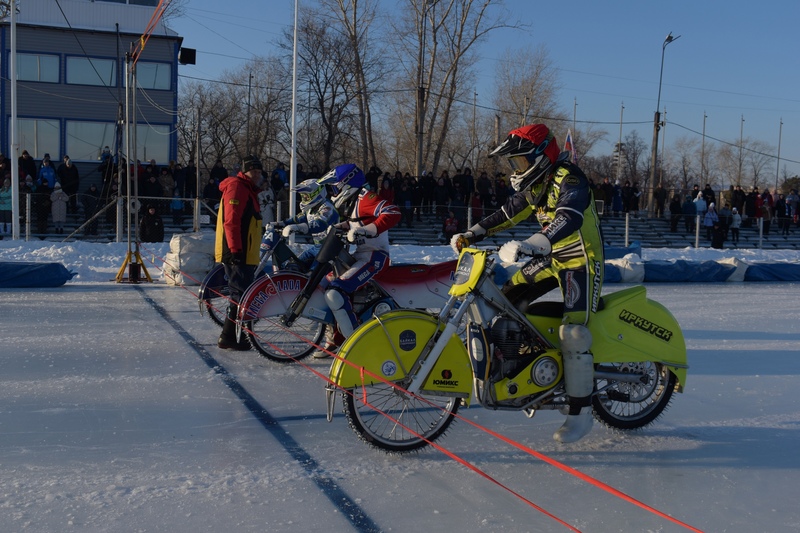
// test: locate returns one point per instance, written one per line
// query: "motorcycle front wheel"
(278, 343)
(396, 421)
(626, 405)
(216, 305)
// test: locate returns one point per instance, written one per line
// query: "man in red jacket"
(238, 241)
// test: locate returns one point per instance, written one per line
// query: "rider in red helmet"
(566, 253)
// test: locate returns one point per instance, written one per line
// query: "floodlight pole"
(656, 127)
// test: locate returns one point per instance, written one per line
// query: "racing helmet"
(312, 193)
(531, 151)
(345, 181)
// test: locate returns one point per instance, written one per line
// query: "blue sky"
(733, 59)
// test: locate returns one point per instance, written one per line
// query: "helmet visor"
(308, 197)
(519, 163)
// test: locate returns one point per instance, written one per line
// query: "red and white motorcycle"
(284, 314)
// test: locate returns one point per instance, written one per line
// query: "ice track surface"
(118, 413)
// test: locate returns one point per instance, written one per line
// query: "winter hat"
(712, 205)
(735, 210)
(58, 185)
(251, 162)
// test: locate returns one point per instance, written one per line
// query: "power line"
(744, 148)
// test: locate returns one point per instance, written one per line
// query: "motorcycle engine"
(364, 295)
(515, 347)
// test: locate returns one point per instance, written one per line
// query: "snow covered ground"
(118, 413)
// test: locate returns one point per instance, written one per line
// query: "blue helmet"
(344, 176)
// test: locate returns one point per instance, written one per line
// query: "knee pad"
(335, 299)
(342, 311)
(575, 339)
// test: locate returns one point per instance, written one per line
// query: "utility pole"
(619, 144)
(778, 170)
(703, 151)
(741, 143)
(249, 85)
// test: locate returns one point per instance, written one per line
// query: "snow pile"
(190, 258)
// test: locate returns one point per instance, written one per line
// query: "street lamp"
(657, 124)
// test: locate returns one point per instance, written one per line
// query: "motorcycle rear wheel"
(429, 417)
(627, 406)
(278, 343)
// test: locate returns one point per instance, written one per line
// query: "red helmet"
(530, 150)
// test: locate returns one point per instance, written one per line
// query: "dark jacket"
(68, 177)
(151, 229)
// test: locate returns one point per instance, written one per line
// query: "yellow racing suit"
(564, 206)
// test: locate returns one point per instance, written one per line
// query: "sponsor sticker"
(645, 325)
(408, 340)
(572, 291)
(388, 368)
(446, 379)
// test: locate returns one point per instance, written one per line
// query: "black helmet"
(530, 150)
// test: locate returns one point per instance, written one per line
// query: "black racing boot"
(227, 339)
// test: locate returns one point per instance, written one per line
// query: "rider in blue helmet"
(368, 219)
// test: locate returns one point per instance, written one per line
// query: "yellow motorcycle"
(404, 374)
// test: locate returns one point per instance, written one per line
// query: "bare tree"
(174, 9)
(222, 108)
(356, 17)
(758, 162)
(597, 168)
(326, 63)
(684, 160)
(745, 164)
(635, 150)
(436, 51)
(526, 89)
(5, 9)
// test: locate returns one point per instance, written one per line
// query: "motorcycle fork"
(436, 344)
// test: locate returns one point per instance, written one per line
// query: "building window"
(39, 137)
(91, 71)
(154, 75)
(153, 143)
(37, 67)
(85, 140)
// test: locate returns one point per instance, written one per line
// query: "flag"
(570, 147)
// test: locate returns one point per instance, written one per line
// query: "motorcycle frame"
(482, 307)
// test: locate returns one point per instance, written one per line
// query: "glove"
(461, 240)
(358, 235)
(535, 246)
(471, 236)
(295, 228)
(238, 258)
